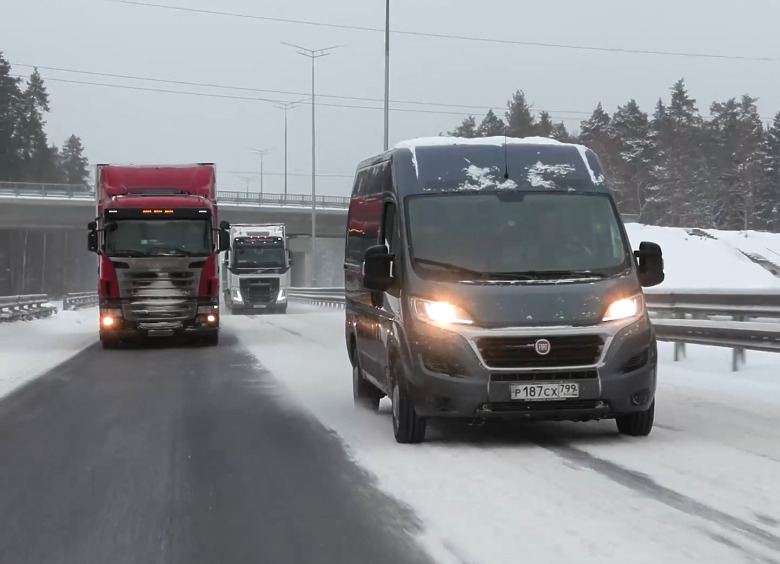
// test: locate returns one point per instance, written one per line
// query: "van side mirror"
(650, 264)
(376, 268)
(92, 241)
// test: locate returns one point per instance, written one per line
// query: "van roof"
(443, 164)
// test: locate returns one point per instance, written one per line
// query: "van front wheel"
(364, 392)
(637, 424)
(408, 427)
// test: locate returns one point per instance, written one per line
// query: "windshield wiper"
(451, 267)
(538, 274)
(180, 252)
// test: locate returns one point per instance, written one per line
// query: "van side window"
(365, 214)
(389, 226)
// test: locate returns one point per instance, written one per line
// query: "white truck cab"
(256, 268)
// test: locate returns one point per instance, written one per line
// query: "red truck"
(157, 238)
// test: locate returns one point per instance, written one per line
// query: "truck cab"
(256, 268)
(157, 238)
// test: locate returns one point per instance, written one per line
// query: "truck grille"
(520, 352)
(259, 290)
(159, 295)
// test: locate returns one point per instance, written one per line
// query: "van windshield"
(531, 234)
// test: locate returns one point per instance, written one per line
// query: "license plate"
(544, 391)
(160, 333)
(259, 306)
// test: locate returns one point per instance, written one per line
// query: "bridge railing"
(25, 307)
(738, 320)
(78, 300)
(85, 192)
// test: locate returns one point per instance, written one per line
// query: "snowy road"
(701, 488)
(237, 454)
(182, 456)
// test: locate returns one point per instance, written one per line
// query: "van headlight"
(440, 313)
(625, 308)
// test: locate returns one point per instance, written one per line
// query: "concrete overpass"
(65, 206)
(45, 225)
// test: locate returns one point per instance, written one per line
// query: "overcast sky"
(123, 125)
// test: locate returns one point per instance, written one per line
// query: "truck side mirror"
(92, 241)
(224, 225)
(224, 240)
(650, 264)
(376, 268)
(92, 226)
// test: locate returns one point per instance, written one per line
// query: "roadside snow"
(29, 349)
(693, 262)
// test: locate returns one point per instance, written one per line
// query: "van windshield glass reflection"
(537, 234)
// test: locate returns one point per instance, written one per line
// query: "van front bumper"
(448, 378)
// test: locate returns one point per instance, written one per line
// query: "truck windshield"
(259, 256)
(530, 235)
(158, 237)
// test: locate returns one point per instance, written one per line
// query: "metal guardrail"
(87, 193)
(327, 297)
(25, 307)
(78, 300)
(748, 320)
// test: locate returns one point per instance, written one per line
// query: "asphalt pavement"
(182, 455)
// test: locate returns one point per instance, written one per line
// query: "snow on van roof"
(497, 141)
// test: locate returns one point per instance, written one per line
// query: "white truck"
(256, 268)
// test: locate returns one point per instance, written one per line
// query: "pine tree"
(10, 101)
(491, 126)
(519, 120)
(771, 205)
(466, 129)
(560, 133)
(682, 197)
(633, 169)
(597, 134)
(74, 163)
(545, 126)
(35, 154)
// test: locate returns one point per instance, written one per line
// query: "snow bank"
(29, 349)
(692, 261)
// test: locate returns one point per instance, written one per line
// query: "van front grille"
(520, 352)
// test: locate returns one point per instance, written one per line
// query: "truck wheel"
(211, 340)
(109, 344)
(364, 393)
(282, 309)
(408, 427)
(637, 424)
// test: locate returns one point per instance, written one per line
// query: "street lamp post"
(313, 54)
(387, 74)
(286, 106)
(262, 153)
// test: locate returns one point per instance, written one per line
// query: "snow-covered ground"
(29, 349)
(693, 261)
(701, 488)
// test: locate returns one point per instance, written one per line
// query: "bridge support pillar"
(330, 261)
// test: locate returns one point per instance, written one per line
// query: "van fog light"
(640, 398)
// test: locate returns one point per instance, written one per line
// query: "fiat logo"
(542, 346)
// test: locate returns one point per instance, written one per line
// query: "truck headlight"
(625, 308)
(236, 295)
(282, 295)
(110, 318)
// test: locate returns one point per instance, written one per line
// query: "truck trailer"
(256, 268)
(157, 238)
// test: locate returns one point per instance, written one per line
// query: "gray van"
(493, 277)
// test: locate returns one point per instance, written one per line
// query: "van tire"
(637, 424)
(364, 393)
(110, 344)
(408, 427)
